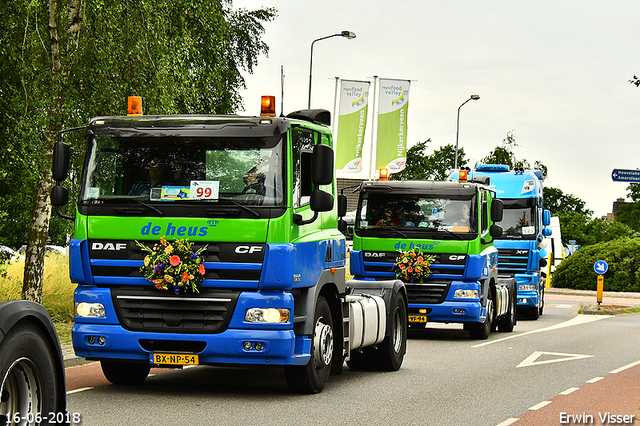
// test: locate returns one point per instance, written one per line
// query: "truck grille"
(432, 293)
(145, 308)
(119, 262)
(445, 268)
(513, 261)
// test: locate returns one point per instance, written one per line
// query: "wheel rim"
(323, 345)
(21, 390)
(489, 311)
(397, 332)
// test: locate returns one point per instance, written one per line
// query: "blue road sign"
(625, 175)
(601, 267)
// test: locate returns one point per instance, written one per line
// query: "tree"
(421, 166)
(64, 61)
(629, 213)
(557, 202)
(505, 155)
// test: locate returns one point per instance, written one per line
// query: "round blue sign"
(601, 267)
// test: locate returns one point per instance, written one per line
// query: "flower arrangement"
(173, 265)
(413, 266)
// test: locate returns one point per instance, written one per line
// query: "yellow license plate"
(174, 359)
(417, 318)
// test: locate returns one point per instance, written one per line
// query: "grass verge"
(57, 290)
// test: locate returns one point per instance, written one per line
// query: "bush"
(623, 257)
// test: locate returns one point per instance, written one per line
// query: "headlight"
(466, 294)
(270, 315)
(526, 287)
(528, 186)
(91, 310)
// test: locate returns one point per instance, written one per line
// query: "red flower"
(201, 269)
(174, 260)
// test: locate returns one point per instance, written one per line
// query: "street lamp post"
(471, 98)
(346, 34)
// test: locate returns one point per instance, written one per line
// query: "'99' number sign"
(204, 189)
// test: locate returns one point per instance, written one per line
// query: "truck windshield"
(518, 221)
(174, 169)
(417, 214)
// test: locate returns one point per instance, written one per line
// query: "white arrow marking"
(577, 320)
(600, 267)
(532, 359)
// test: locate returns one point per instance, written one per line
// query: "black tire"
(390, 353)
(312, 378)
(125, 372)
(482, 330)
(28, 373)
(508, 321)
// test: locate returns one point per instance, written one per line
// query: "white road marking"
(633, 364)
(539, 406)
(568, 391)
(577, 320)
(595, 379)
(532, 359)
(78, 390)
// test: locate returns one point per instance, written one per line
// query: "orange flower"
(201, 269)
(174, 260)
(185, 277)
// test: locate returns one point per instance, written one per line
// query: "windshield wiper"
(252, 212)
(135, 200)
(389, 228)
(451, 233)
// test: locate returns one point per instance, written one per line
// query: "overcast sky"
(556, 73)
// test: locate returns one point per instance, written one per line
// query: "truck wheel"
(390, 353)
(312, 378)
(482, 330)
(29, 378)
(508, 321)
(125, 372)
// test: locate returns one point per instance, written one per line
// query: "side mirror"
(497, 210)
(547, 232)
(546, 217)
(60, 164)
(321, 201)
(495, 231)
(59, 196)
(543, 262)
(322, 165)
(342, 205)
(342, 225)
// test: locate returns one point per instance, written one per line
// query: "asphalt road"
(562, 363)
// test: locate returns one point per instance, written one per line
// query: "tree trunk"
(34, 257)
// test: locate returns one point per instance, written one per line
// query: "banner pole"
(335, 115)
(374, 130)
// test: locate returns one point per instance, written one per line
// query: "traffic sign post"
(600, 289)
(601, 267)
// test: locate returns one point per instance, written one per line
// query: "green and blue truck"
(253, 198)
(453, 224)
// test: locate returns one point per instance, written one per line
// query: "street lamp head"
(475, 97)
(348, 34)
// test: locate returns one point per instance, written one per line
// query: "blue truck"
(251, 202)
(524, 223)
(452, 225)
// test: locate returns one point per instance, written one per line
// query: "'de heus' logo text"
(177, 230)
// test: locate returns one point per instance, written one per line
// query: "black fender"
(16, 311)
